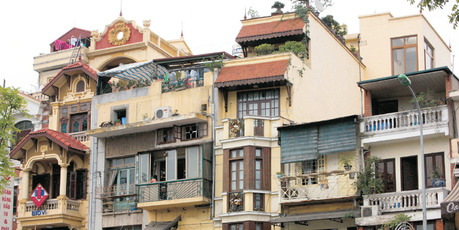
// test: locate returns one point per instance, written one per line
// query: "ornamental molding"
(98, 36)
(119, 34)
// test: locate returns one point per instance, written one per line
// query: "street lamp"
(405, 81)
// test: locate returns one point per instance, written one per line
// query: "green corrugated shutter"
(301, 143)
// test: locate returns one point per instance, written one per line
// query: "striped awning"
(450, 204)
(141, 71)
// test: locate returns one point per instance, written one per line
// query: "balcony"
(181, 79)
(317, 186)
(81, 137)
(249, 126)
(56, 60)
(58, 211)
(174, 193)
(405, 125)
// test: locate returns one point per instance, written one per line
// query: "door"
(409, 173)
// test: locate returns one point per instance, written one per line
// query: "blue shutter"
(337, 137)
(299, 144)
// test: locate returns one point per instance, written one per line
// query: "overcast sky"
(28, 27)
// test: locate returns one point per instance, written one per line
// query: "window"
(258, 103)
(404, 55)
(76, 182)
(258, 168)
(64, 127)
(258, 201)
(387, 169)
(190, 132)
(122, 175)
(78, 122)
(435, 169)
(165, 135)
(238, 226)
(237, 170)
(428, 55)
(80, 86)
(26, 127)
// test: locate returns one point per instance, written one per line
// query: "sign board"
(39, 195)
(6, 205)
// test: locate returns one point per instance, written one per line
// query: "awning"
(450, 204)
(163, 225)
(143, 71)
(314, 216)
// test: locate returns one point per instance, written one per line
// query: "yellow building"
(258, 95)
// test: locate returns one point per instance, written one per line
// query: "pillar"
(63, 183)
(25, 178)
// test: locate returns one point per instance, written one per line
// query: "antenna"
(121, 8)
(319, 5)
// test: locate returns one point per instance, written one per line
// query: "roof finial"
(181, 35)
(121, 8)
(245, 13)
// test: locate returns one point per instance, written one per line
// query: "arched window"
(23, 125)
(80, 86)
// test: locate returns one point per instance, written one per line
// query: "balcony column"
(63, 183)
(25, 181)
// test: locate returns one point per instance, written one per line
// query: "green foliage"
(264, 49)
(399, 218)
(369, 180)
(123, 85)
(292, 46)
(10, 104)
(253, 13)
(439, 4)
(426, 99)
(278, 5)
(213, 63)
(334, 25)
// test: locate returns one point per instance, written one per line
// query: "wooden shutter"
(202, 130)
(225, 227)
(226, 170)
(266, 167)
(72, 185)
(249, 167)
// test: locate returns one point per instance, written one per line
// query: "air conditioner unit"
(163, 112)
(372, 210)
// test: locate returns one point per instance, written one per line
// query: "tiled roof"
(62, 139)
(72, 67)
(268, 30)
(75, 32)
(252, 73)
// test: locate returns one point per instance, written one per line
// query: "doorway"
(409, 173)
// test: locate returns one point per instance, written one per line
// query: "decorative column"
(63, 183)
(25, 178)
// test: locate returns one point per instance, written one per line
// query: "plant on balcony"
(264, 49)
(278, 6)
(399, 218)
(295, 47)
(426, 99)
(346, 161)
(369, 180)
(117, 122)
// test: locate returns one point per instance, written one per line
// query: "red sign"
(39, 195)
(6, 205)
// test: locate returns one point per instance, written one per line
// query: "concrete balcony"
(405, 125)
(57, 60)
(55, 212)
(168, 194)
(386, 205)
(81, 137)
(248, 127)
(336, 184)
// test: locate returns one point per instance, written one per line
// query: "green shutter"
(299, 144)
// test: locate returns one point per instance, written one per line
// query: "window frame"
(169, 135)
(431, 56)
(80, 86)
(434, 162)
(384, 174)
(243, 100)
(404, 47)
(238, 160)
(258, 197)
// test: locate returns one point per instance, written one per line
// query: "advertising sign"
(39, 195)
(6, 205)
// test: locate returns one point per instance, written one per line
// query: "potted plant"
(117, 122)
(278, 6)
(346, 161)
(437, 180)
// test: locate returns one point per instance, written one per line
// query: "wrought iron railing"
(235, 202)
(117, 190)
(110, 206)
(172, 190)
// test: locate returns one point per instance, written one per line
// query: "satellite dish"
(319, 5)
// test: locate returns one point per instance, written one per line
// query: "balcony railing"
(117, 190)
(406, 200)
(317, 186)
(404, 120)
(80, 136)
(250, 126)
(181, 79)
(52, 206)
(119, 206)
(172, 190)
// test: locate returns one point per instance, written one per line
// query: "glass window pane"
(233, 185)
(170, 165)
(117, 162)
(411, 60)
(410, 40)
(241, 184)
(144, 159)
(258, 152)
(192, 162)
(129, 161)
(257, 165)
(397, 42)
(399, 61)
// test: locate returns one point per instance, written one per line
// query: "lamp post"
(405, 81)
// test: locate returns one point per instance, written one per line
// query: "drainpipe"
(360, 76)
(93, 183)
(214, 124)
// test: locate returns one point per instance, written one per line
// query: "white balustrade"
(402, 120)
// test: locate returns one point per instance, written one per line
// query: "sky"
(208, 25)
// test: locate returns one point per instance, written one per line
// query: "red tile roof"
(75, 32)
(62, 139)
(273, 29)
(252, 73)
(72, 67)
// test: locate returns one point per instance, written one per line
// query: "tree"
(334, 25)
(435, 4)
(297, 48)
(10, 104)
(369, 180)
